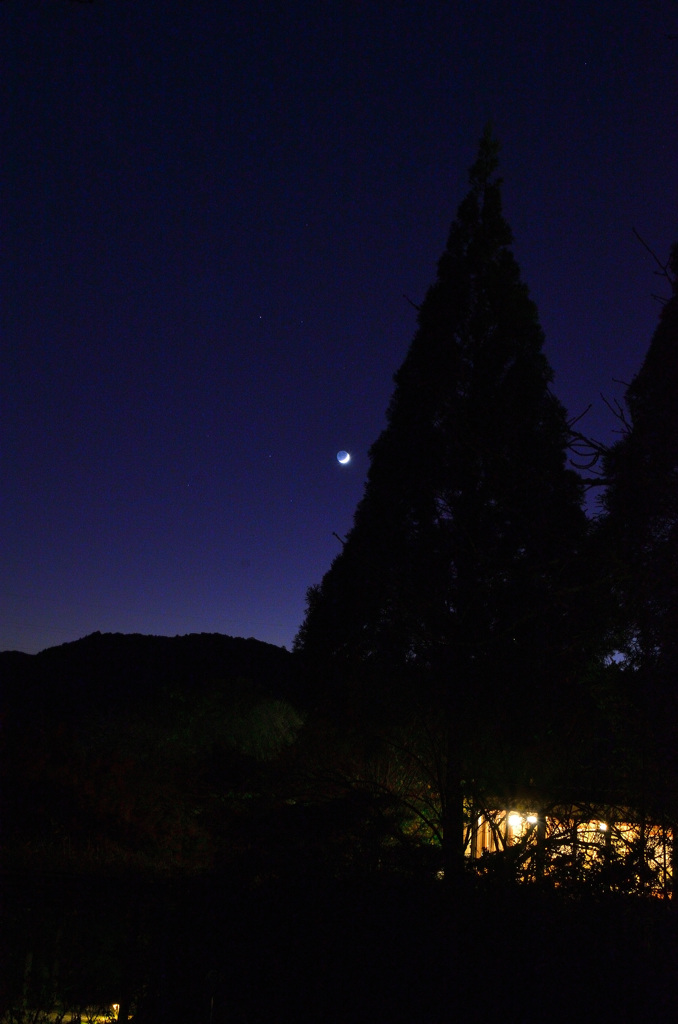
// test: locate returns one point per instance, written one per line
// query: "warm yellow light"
(116, 1009)
(602, 826)
(515, 821)
(532, 819)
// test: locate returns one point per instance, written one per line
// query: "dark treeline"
(215, 828)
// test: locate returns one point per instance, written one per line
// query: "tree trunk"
(123, 1012)
(453, 821)
(540, 857)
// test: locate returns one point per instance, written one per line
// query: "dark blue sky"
(211, 214)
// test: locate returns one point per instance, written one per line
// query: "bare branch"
(585, 452)
(619, 413)
(664, 268)
(575, 419)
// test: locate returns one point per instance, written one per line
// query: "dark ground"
(201, 951)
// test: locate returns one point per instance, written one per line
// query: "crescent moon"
(343, 457)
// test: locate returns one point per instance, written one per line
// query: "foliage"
(388, 781)
(150, 792)
(640, 534)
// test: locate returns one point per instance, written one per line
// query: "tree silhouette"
(454, 586)
(641, 531)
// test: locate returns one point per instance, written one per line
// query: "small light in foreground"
(602, 827)
(515, 821)
(532, 819)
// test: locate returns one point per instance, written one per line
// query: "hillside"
(130, 750)
(107, 671)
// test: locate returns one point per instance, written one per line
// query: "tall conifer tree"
(641, 528)
(453, 581)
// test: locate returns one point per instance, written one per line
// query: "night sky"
(215, 219)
